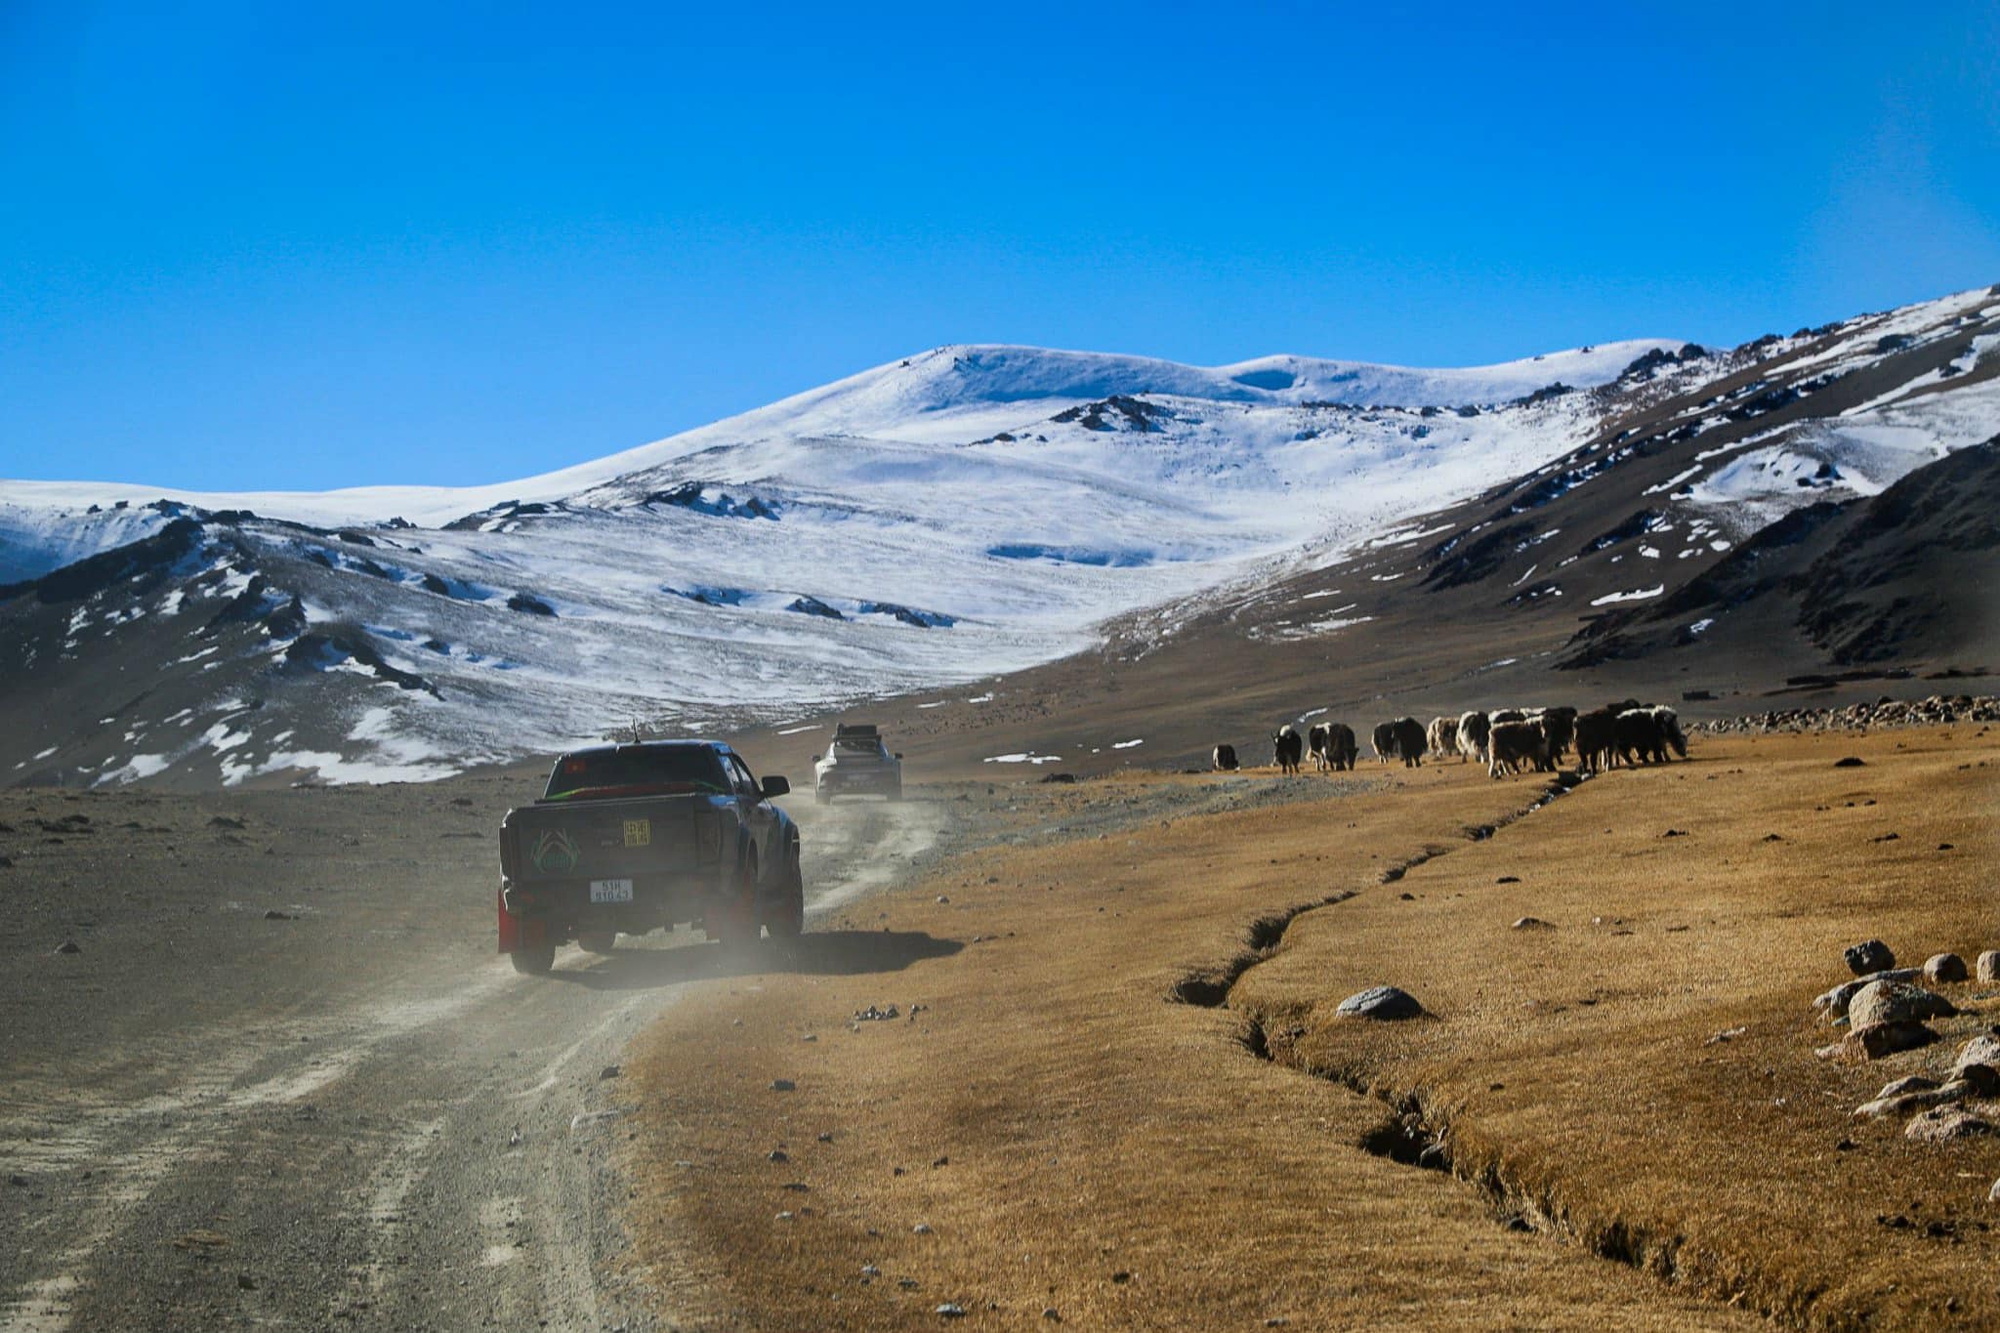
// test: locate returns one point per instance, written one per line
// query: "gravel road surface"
(263, 1067)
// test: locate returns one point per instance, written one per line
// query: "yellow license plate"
(638, 833)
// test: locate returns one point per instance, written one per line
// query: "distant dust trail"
(855, 849)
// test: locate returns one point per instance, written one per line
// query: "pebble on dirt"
(69, 946)
(783, 1085)
(1869, 956)
(1386, 1002)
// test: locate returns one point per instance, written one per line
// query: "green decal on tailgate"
(553, 852)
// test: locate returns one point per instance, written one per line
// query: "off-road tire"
(735, 923)
(534, 960)
(597, 941)
(787, 917)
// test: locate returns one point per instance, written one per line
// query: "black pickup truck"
(634, 837)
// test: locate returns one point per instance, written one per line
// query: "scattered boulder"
(1874, 1042)
(1982, 1052)
(1942, 1124)
(1983, 1080)
(1836, 1000)
(1533, 923)
(783, 1085)
(1851, 761)
(1913, 1083)
(1896, 1002)
(529, 603)
(1988, 966)
(1385, 1002)
(1917, 1099)
(1993, 1195)
(1944, 968)
(1869, 956)
(69, 946)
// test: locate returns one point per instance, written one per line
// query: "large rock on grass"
(1834, 1002)
(1982, 1052)
(1869, 956)
(1942, 1124)
(1381, 1002)
(1895, 1002)
(1917, 1099)
(1944, 968)
(1880, 1039)
(1988, 967)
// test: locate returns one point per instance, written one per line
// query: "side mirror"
(775, 786)
(899, 754)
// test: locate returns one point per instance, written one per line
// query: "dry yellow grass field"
(1054, 1131)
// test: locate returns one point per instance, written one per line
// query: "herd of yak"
(1510, 740)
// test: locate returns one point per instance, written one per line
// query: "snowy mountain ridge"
(925, 524)
(948, 395)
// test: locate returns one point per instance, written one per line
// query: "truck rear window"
(640, 771)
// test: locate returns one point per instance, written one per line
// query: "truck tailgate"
(606, 839)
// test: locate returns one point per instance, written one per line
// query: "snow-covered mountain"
(935, 521)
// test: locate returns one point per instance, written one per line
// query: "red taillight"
(508, 858)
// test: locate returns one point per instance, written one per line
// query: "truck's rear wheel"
(596, 941)
(734, 922)
(787, 920)
(534, 960)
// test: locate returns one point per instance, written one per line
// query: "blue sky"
(256, 246)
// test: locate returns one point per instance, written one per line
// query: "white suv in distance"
(857, 764)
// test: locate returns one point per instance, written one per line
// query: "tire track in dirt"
(362, 1163)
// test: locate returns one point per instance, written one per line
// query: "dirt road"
(282, 1080)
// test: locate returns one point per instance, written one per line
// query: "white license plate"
(611, 890)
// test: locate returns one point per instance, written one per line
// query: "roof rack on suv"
(855, 729)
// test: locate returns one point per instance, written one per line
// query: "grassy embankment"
(1074, 1138)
